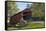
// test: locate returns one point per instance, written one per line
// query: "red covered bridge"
(19, 17)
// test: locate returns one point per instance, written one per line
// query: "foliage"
(12, 8)
(38, 9)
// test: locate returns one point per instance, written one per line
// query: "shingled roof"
(23, 11)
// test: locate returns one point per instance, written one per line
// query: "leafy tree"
(12, 8)
(38, 9)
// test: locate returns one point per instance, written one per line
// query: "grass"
(30, 25)
(35, 25)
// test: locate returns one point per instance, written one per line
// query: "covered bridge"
(20, 17)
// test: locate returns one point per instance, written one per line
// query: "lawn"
(30, 25)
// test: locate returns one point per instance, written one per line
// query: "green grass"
(30, 25)
(35, 25)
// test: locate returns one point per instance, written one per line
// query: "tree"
(38, 9)
(12, 8)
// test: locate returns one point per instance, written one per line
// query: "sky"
(22, 5)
